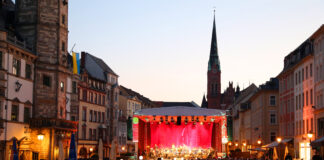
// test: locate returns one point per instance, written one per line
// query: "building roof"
(180, 111)
(103, 65)
(173, 104)
(213, 56)
(143, 99)
(95, 67)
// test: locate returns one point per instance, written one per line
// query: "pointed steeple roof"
(213, 56)
(204, 103)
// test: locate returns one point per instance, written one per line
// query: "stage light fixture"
(166, 118)
(161, 119)
(192, 118)
(154, 117)
(201, 123)
(179, 120)
(197, 119)
(172, 120)
(205, 118)
(212, 120)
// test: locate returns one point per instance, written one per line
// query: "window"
(63, 46)
(99, 101)
(306, 72)
(307, 128)
(90, 116)
(84, 94)
(1, 59)
(35, 156)
(63, 19)
(84, 114)
(296, 79)
(26, 114)
(103, 100)
(99, 117)
(311, 96)
(74, 87)
(14, 112)
(311, 70)
(303, 100)
(296, 102)
(62, 86)
(28, 71)
(303, 126)
(273, 118)
(46, 80)
(272, 100)
(94, 134)
(299, 79)
(84, 130)
(312, 123)
(95, 96)
(299, 101)
(91, 97)
(61, 111)
(303, 74)
(95, 116)
(103, 117)
(272, 136)
(90, 133)
(306, 98)
(16, 67)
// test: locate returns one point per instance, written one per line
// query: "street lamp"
(310, 135)
(259, 141)
(40, 136)
(278, 139)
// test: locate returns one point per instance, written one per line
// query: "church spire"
(213, 56)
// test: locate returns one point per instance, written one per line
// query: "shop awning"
(257, 149)
(318, 142)
(271, 145)
(275, 143)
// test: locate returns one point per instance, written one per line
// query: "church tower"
(214, 74)
(44, 27)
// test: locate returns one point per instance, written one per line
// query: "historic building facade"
(241, 115)
(93, 105)
(264, 114)
(318, 46)
(38, 88)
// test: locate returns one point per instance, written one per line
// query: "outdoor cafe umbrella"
(72, 153)
(14, 150)
(286, 151)
(275, 155)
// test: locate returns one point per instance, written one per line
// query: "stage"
(180, 132)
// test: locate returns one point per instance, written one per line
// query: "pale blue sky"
(160, 48)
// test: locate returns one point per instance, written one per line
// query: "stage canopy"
(180, 111)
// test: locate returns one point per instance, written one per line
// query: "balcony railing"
(13, 39)
(53, 123)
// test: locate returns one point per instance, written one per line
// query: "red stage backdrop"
(166, 135)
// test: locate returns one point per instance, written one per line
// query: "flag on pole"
(76, 63)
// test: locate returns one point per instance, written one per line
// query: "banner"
(135, 129)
